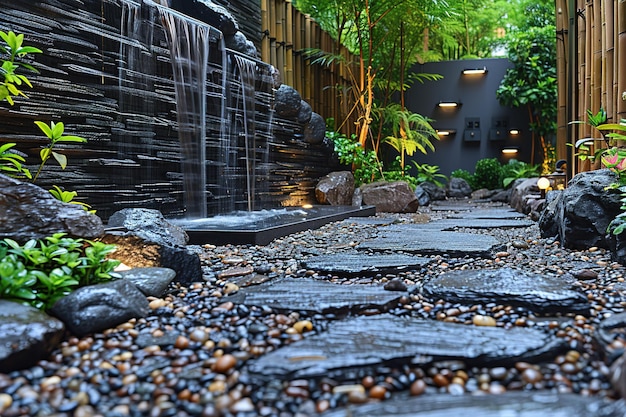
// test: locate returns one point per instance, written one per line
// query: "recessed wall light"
(446, 132)
(514, 132)
(448, 104)
(475, 71)
(510, 150)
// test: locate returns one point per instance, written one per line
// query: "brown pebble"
(531, 376)
(357, 397)
(225, 363)
(585, 274)
(378, 392)
(440, 380)
(181, 342)
(418, 387)
(322, 405)
(368, 382)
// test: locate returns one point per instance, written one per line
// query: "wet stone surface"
(522, 404)
(539, 293)
(385, 339)
(317, 296)
(363, 264)
(426, 241)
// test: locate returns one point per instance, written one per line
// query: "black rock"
(27, 335)
(149, 225)
(423, 198)
(287, 102)
(315, 129)
(99, 307)
(305, 113)
(434, 191)
(150, 281)
(208, 12)
(458, 188)
(30, 212)
(363, 264)
(582, 213)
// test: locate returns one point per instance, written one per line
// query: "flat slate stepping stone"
(540, 293)
(495, 213)
(314, 295)
(385, 339)
(513, 404)
(470, 223)
(427, 241)
(363, 264)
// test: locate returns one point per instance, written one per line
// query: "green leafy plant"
(429, 173)
(13, 48)
(68, 197)
(12, 163)
(40, 272)
(487, 174)
(518, 169)
(54, 133)
(365, 164)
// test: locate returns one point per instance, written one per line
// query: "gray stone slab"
(493, 213)
(314, 295)
(427, 241)
(374, 221)
(367, 341)
(539, 293)
(364, 264)
(513, 404)
(470, 223)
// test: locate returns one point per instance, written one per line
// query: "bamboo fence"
(591, 49)
(287, 35)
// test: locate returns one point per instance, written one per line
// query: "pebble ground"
(202, 371)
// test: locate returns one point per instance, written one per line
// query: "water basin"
(262, 226)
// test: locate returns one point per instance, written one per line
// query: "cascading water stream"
(189, 46)
(247, 74)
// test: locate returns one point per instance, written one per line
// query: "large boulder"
(102, 306)
(27, 335)
(391, 197)
(305, 113)
(30, 212)
(287, 102)
(238, 42)
(581, 214)
(336, 188)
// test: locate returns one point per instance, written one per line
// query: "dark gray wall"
(477, 95)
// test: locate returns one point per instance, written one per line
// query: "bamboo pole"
(621, 58)
(288, 50)
(265, 28)
(562, 19)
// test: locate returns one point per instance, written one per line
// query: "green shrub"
(517, 169)
(365, 164)
(40, 272)
(487, 174)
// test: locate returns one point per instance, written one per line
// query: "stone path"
(362, 339)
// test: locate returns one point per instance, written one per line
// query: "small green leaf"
(61, 159)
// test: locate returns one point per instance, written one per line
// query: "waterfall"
(189, 43)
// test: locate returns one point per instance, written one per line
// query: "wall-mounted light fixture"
(448, 104)
(446, 132)
(514, 132)
(510, 150)
(474, 71)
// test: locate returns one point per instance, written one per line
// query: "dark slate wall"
(132, 158)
